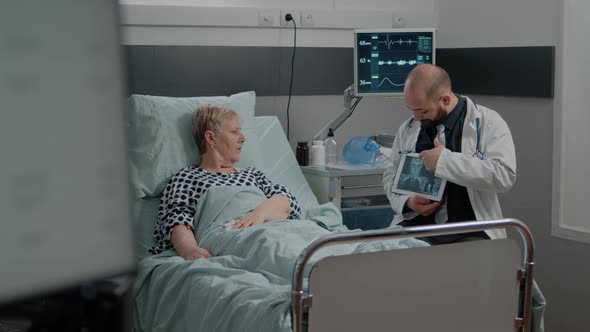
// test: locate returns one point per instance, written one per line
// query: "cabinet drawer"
(361, 180)
(362, 185)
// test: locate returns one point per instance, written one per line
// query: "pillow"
(161, 142)
(278, 161)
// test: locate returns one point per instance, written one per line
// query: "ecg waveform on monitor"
(400, 41)
(390, 82)
(398, 62)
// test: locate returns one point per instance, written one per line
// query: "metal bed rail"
(299, 297)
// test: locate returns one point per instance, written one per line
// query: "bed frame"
(470, 286)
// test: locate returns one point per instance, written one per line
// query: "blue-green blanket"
(246, 285)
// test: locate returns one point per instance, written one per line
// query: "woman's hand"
(275, 208)
(186, 245)
(195, 253)
(250, 219)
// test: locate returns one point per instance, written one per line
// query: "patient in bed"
(218, 134)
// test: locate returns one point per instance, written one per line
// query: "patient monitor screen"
(64, 196)
(383, 58)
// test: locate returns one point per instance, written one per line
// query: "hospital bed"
(474, 286)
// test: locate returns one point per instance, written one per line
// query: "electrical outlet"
(307, 19)
(296, 16)
(266, 19)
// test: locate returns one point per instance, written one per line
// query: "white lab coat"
(483, 178)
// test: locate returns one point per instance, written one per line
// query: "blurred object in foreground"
(64, 193)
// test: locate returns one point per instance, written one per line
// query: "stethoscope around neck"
(477, 153)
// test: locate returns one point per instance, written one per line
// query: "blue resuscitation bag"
(361, 150)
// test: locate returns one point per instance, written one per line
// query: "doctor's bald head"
(428, 80)
(428, 93)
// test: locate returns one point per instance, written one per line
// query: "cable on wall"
(358, 99)
(289, 17)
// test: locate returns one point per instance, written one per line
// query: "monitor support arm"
(348, 97)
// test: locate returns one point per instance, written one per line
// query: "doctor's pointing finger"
(430, 157)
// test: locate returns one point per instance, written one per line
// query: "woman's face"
(229, 140)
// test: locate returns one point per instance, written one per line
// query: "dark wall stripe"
(504, 71)
(221, 70)
(206, 70)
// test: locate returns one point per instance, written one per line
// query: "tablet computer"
(412, 178)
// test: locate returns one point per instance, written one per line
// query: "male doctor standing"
(469, 145)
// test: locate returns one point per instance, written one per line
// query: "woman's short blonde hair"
(209, 117)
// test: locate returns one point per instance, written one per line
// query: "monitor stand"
(348, 97)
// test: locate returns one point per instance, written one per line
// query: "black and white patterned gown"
(183, 191)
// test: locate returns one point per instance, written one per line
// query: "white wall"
(571, 146)
(241, 26)
(478, 23)
(329, 4)
(309, 114)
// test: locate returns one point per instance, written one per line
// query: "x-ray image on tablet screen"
(412, 178)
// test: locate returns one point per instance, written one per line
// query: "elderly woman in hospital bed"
(218, 134)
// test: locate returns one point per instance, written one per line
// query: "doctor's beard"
(441, 115)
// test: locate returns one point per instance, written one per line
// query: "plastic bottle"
(331, 148)
(302, 153)
(318, 153)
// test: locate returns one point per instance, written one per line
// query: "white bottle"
(318, 153)
(331, 148)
